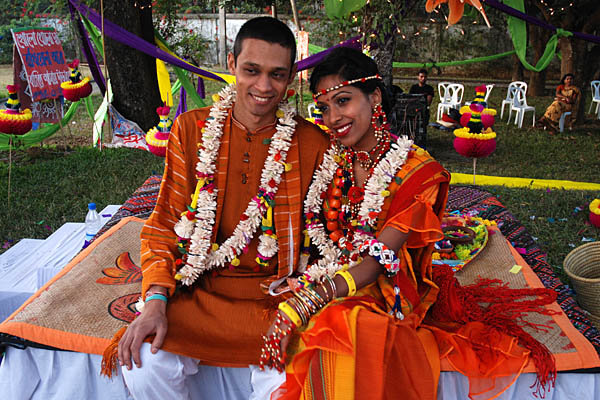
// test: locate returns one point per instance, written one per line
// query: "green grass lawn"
(51, 185)
(528, 152)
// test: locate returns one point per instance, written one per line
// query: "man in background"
(422, 87)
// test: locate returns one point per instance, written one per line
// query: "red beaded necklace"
(345, 196)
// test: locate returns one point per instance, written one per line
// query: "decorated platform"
(109, 268)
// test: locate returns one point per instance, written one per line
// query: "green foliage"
(326, 33)
(188, 44)
(51, 186)
(6, 40)
(381, 19)
(342, 9)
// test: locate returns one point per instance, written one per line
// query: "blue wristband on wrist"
(156, 296)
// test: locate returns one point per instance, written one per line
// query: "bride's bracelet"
(298, 309)
(331, 284)
(383, 255)
(349, 281)
(271, 354)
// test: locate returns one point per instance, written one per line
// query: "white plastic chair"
(520, 106)
(509, 99)
(561, 123)
(443, 93)
(595, 97)
(450, 97)
(488, 91)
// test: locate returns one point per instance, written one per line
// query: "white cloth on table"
(29, 264)
(38, 374)
(569, 386)
(50, 374)
(166, 375)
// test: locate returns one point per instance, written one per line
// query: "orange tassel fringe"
(110, 357)
(501, 308)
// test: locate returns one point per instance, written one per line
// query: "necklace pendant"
(362, 156)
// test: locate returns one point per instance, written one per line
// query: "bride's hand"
(275, 343)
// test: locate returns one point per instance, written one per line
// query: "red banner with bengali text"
(43, 60)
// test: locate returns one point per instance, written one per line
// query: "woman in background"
(566, 100)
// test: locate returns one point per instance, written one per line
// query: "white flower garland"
(202, 256)
(370, 208)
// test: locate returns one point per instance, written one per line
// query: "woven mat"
(473, 200)
(82, 307)
(497, 261)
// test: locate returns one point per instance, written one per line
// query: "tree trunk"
(517, 70)
(383, 56)
(566, 51)
(382, 53)
(132, 73)
(584, 71)
(538, 37)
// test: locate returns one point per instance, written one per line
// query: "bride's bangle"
(349, 281)
(289, 312)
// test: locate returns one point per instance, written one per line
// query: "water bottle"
(93, 223)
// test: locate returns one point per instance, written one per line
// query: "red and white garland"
(198, 225)
(375, 194)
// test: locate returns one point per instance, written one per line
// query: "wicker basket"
(582, 265)
(595, 319)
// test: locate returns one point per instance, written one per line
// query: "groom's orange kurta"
(222, 319)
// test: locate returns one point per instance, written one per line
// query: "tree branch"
(542, 9)
(591, 22)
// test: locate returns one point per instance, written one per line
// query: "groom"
(204, 340)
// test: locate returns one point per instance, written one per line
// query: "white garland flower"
(201, 256)
(382, 175)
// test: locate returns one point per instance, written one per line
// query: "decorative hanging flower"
(157, 137)
(77, 87)
(13, 120)
(476, 139)
(457, 8)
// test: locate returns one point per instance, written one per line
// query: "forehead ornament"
(345, 83)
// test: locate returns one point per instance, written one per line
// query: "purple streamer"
(315, 59)
(121, 35)
(88, 50)
(182, 107)
(201, 90)
(532, 20)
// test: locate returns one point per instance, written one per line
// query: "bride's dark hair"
(350, 64)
